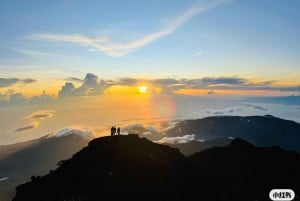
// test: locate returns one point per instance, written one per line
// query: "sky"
(60, 59)
(241, 47)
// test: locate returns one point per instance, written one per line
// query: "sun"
(143, 89)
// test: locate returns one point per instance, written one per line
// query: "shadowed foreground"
(133, 168)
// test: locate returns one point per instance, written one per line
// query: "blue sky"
(257, 40)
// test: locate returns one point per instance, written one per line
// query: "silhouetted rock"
(133, 168)
(259, 130)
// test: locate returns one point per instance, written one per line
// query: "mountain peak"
(124, 164)
(241, 144)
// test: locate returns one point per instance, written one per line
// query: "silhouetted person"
(118, 130)
(112, 131)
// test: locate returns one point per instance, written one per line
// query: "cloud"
(91, 86)
(16, 98)
(223, 80)
(177, 140)
(75, 79)
(28, 81)
(12, 98)
(133, 128)
(86, 132)
(7, 82)
(67, 90)
(28, 127)
(118, 50)
(42, 114)
(169, 85)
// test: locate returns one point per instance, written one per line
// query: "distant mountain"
(259, 130)
(286, 100)
(34, 157)
(197, 146)
(133, 168)
(6, 150)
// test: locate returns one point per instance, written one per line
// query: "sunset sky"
(189, 47)
(82, 64)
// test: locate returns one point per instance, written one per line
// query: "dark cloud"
(297, 88)
(91, 86)
(24, 128)
(28, 81)
(67, 90)
(223, 80)
(6, 82)
(167, 81)
(75, 79)
(129, 81)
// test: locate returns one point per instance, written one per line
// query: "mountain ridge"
(134, 168)
(259, 130)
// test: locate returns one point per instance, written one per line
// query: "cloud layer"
(86, 132)
(169, 85)
(177, 140)
(92, 85)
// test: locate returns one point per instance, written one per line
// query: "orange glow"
(121, 90)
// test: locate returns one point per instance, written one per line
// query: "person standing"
(112, 131)
(118, 130)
